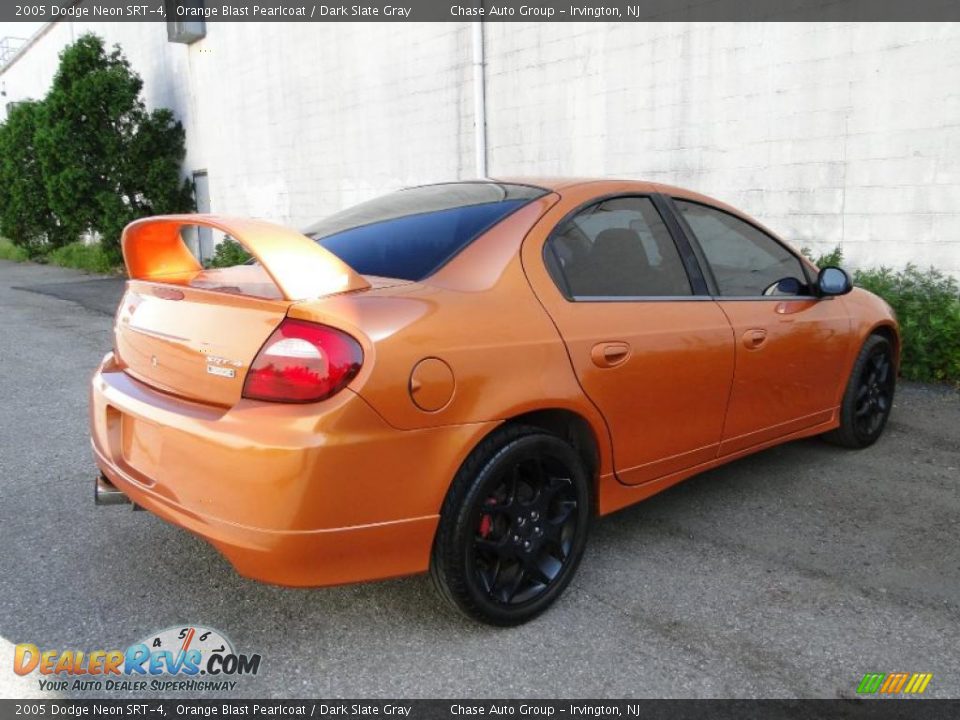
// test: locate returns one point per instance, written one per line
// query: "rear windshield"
(411, 233)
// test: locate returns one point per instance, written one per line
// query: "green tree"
(25, 216)
(105, 160)
(229, 253)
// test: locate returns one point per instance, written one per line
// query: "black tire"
(513, 526)
(869, 396)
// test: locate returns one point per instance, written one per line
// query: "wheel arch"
(889, 331)
(572, 427)
(450, 571)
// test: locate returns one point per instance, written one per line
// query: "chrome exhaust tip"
(106, 493)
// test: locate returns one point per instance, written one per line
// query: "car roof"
(562, 183)
(611, 186)
(600, 187)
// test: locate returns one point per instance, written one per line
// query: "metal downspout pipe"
(479, 100)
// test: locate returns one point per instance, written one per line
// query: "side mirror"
(834, 281)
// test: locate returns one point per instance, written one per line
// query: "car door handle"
(609, 354)
(754, 338)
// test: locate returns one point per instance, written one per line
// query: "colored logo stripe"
(918, 683)
(893, 683)
(871, 683)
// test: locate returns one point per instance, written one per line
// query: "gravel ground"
(787, 574)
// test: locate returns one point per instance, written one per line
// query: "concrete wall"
(293, 121)
(830, 133)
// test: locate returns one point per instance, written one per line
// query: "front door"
(790, 345)
(656, 359)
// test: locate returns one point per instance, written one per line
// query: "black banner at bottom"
(854, 709)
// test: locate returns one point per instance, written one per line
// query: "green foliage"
(834, 258)
(154, 157)
(229, 253)
(85, 120)
(92, 258)
(9, 251)
(89, 157)
(927, 304)
(25, 216)
(106, 161)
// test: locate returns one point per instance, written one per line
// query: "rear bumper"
(303, 495)
(298, 558)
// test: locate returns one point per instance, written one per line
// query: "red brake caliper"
(486, 521)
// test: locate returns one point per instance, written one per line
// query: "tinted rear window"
(411, 233)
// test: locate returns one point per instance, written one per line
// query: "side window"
(616, 248)
(744, 260)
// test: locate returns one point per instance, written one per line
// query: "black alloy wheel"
(869, 396)
(525, 530)
(513, 528)
(875, 394)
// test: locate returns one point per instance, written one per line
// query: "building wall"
(293, 121)
(829, 133)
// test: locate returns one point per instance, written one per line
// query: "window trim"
(702, 258)
(699, 289)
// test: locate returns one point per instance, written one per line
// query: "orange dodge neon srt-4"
(459, 377)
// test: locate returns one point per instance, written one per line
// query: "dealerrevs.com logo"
(191, 658)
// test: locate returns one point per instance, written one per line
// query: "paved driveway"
(789, 573)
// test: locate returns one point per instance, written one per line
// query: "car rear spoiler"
(153, 249)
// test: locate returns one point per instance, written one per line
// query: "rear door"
(790, 345)
(650, 348)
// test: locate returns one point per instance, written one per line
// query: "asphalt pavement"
(790, 573)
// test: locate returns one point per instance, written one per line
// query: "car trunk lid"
(192, 342)
(194, 332)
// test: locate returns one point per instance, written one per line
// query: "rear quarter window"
(412, 233)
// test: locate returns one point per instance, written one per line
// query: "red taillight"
(303, 362)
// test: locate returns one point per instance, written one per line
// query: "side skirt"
(613, 495)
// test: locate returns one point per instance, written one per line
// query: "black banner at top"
(464, 709)
(209, 11)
